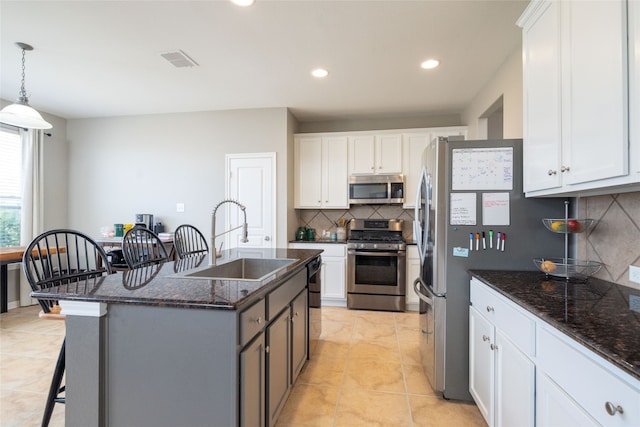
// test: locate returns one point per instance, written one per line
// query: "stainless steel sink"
(241, 269)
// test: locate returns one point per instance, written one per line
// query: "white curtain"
(32, 216)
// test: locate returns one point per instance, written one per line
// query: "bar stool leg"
(54, 388)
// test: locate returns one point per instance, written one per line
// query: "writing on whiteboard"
(482, 168)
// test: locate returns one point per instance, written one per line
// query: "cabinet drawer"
(252, 320)
(330, 249)
(281, 297)
(590, 380)
(506, 316)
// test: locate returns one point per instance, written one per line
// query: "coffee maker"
(145, 220)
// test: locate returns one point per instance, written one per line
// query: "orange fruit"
(548, 266)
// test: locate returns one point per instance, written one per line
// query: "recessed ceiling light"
(430, 63)
(243, 2)
(319, 73)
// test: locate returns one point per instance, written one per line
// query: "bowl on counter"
(567, 268)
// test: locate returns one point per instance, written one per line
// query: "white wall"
(121, 166)
(507, 82)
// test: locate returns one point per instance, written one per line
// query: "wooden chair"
(189, 241)
(142, 247)
(61, 258)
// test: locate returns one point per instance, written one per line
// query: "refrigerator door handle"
(418, 285)
(419, 231)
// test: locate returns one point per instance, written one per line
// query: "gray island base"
(185, 352)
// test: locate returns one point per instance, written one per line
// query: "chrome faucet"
(213, 253)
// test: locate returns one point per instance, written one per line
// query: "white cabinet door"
(515, 382)
(594, 90)
(362, 159)
(576, 108)
(555, 408)
(321, 171)
(375, 154)
(413, 147)
(413, 272)
(388, 154)
(333, 279)
(308, 170)
(541, 83)
(481, 364)
(335, 175)
(634, 89)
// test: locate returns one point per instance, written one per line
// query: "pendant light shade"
(21, 114)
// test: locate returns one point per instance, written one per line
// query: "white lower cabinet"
(333, 272)
(554, 407)
(501, 373)
(525, 372)
(592, 391)
(412, 273)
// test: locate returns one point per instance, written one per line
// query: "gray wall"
(121, 166)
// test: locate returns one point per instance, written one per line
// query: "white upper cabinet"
(413, 144)
(413, 147)
(576, 98)
(375, 154)
(321, 172)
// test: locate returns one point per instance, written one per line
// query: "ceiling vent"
(179, 59)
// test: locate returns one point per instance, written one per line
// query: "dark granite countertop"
(159, 285)
(603, 316)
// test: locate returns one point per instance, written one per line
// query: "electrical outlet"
(180, 207)
(634, 274)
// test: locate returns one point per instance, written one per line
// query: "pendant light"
(21, 114)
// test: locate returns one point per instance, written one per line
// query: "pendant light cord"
(23, 92)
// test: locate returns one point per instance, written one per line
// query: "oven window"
(368, 191)
(376, 270)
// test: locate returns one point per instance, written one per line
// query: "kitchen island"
(155, 346)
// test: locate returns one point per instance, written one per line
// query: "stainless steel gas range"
(376, 260)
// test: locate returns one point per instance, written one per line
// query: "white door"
(251, 181)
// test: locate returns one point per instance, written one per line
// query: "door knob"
(267, 238)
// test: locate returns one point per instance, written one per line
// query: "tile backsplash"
(326, 219)
(615, 240)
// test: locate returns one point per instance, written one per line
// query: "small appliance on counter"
(145, 220)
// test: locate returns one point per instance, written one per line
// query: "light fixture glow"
(243, 3)
(319, 73)
(430, 63)
(21, 114)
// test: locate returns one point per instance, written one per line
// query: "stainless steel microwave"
(376, 189)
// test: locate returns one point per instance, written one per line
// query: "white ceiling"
(102, 58)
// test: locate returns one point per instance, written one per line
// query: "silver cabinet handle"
(493, 347)
(551, 172)
(612, 409)
(489, 309)
(564, 169)
(259, 320)
(266, 349)
(485, 338)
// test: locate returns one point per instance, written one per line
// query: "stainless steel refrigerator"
(470, 213)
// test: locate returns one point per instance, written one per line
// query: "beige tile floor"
(364, 371)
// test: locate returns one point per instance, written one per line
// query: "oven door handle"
(418, 285)
(374, 253)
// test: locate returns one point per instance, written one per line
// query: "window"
(10, 187)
